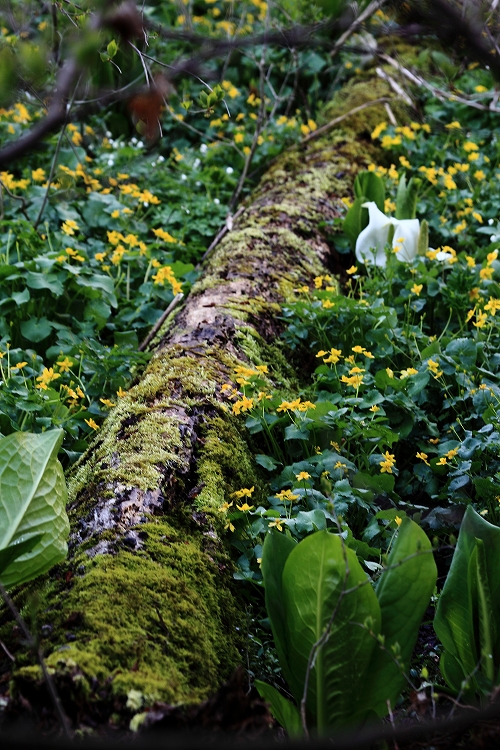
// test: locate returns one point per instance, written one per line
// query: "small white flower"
(161, 158)
(217, 201)
(188, 211)
(491, 221)
(145, 203)
(183, 177)
(140, 144)
(108, 134)
(197, 183)
(111, 162)
(133, 141)
(229, 170)
(153, 164)
(196, 163)
(203, 148)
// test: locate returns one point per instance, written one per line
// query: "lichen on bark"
(145, 600)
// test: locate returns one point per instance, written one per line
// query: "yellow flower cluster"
(164, 274)
(387, 463)
(296, 405)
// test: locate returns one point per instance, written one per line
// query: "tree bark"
(146, 602)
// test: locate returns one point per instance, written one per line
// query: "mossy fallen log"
(145, 602)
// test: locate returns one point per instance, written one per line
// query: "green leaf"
(32, 501)
(481, 588)
(45, 281)
(275, 552)
(126, 339)
(372, 186)
(463, 351)
(471, 594)
(282, 709)
(20, 298)
(36, 329)
(356, 220)
(112, 48)
(379, 483)
(314, 577)
(13, 551)
(403, 592)
(267, 462)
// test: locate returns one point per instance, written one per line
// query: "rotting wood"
(145, 601)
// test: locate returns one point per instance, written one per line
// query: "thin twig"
(160, 321)
(222, 232)
(48, 679)
(371, 8)
(3, 186)
(437, 92)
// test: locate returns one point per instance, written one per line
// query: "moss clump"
(224, 465)
(151, 621)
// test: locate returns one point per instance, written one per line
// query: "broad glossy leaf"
(355, 220)
(314, 577)
(36, 329)
(275, 552)
(459, 604)
(480, 587)
(48, 281)
(371, 186)
(403, 592)
(13, 551)
(282, 709)
(32, 501)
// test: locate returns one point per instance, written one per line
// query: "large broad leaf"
(355, 220)
(36, 329)
(481, 596)
(13, 551)
(471, 597)
(372, 186)
(32, 501)
(314, 576)
(282, 709)
(403, 592)
(275, 552)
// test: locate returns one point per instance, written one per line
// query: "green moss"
(151, 621)
(225, 465)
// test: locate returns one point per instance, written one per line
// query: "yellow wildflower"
(302, 475)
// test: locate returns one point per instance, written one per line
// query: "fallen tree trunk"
(145, 607)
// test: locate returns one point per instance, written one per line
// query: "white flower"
(371, 242)
(229, 170)
(161, 158)
(183, 177)
(203, 148)
(217, 201)
(441, 255)
(196, 163)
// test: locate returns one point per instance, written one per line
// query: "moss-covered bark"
(145, 601)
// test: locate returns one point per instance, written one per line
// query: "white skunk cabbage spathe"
(371, 242)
